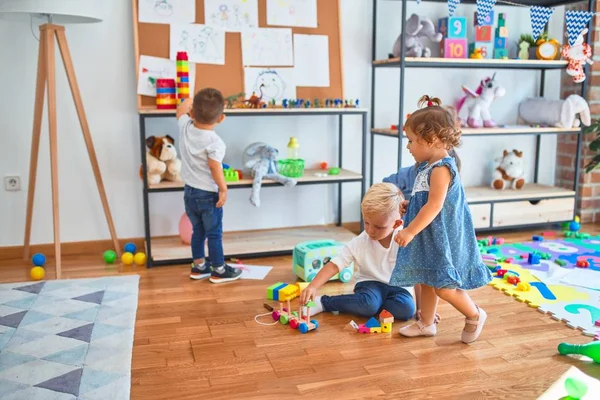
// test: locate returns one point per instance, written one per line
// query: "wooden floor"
(196, 339)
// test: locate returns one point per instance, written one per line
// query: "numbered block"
(502, 31)
(489, 20)
(500, 53)
(486, 49)
(502, 19)
(483, 33)
(500, 43)
(453, 28)
(454, 48)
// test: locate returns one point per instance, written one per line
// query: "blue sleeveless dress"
(444, 254)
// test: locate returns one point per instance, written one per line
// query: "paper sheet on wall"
(273, 83)
(167, 11)
(267, 47)
(204, 44)
(311, 60)
(292, 13)
(231, 15)
(152, 68)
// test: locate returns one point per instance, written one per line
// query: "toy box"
(310, 257)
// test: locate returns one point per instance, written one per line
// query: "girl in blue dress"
(438, 247)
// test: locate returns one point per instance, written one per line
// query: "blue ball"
(129, 248)
(574, 226)
(38, 260)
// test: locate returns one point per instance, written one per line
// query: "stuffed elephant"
(263, 167)
(558, 113)
(416, 28)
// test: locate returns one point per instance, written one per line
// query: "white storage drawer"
(515, 213)
(481, 215)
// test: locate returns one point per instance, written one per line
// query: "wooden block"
(363, 329)
(500, 43)
(388, 320)
(486, 49)
(386, 327)
(489, 20)
(455, 48)
(500, 53)
(376, 330)
(483, 33)
(453, 28)
(502, 31)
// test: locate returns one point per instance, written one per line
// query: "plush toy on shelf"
(161, 160)
(417, 28)
(478, 102)
(577, 55)
(558, 113)
(509, 173)
(261, 163)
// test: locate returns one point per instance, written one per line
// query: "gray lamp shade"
(61, 12)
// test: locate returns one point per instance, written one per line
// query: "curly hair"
(435, 122)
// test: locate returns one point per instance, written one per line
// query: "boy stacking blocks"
(183, 76)
(165, 94)
(454, 31)
(483, 36)
(500, 44)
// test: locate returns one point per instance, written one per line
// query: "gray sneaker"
(225, 273)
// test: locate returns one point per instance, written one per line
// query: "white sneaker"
(418, 329)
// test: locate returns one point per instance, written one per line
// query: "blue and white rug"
(67, 339)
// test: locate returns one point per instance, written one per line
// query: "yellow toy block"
(376, 330)
(386, 327)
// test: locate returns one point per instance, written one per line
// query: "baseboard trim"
(98, 246)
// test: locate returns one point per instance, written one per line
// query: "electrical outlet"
(12, 183)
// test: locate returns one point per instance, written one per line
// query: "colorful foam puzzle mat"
(558, 288)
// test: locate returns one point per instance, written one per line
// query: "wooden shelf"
(265, 111)
(436, 62)
(530, 191)
(309, 178)
(255, 243)
(504, 130)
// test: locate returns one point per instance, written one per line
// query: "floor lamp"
(56, 12)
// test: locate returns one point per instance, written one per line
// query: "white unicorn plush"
(478, 102)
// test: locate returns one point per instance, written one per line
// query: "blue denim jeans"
(370, 298)
(207, 222)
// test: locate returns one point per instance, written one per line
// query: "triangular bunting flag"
(539, 17)
(576, 21)
(452, 4)
(483, 10)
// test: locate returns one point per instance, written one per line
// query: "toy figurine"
(479, 102)
(577, 55)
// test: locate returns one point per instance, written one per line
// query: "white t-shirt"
(196, 146)
(372, 261)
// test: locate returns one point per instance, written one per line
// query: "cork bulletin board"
(153, 40)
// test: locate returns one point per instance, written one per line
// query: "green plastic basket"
(291, 168)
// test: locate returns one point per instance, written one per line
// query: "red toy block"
(454, 48)
(500, 273)
(509, 260)
(483, 33)
(549, 234)
(583, 264)
(513, 280)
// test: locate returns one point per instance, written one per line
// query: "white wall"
(103, 58)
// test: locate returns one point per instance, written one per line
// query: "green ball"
(110, 256)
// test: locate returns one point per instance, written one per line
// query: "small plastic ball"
(574, 226)
(127, 258)
(37, 273)
(140, 259)
(130, 248)
(110, 256)
(38, 260)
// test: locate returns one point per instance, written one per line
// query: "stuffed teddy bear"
(263, 165)
(416, 28)
(577, 55)
(161, 160)
(509, 172)
(558, 113)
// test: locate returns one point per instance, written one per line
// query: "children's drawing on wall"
(167, 11)
(292, 13)
(231, 15)
(204, 44)
(153, 68)
(267, 46)
(270, 83)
